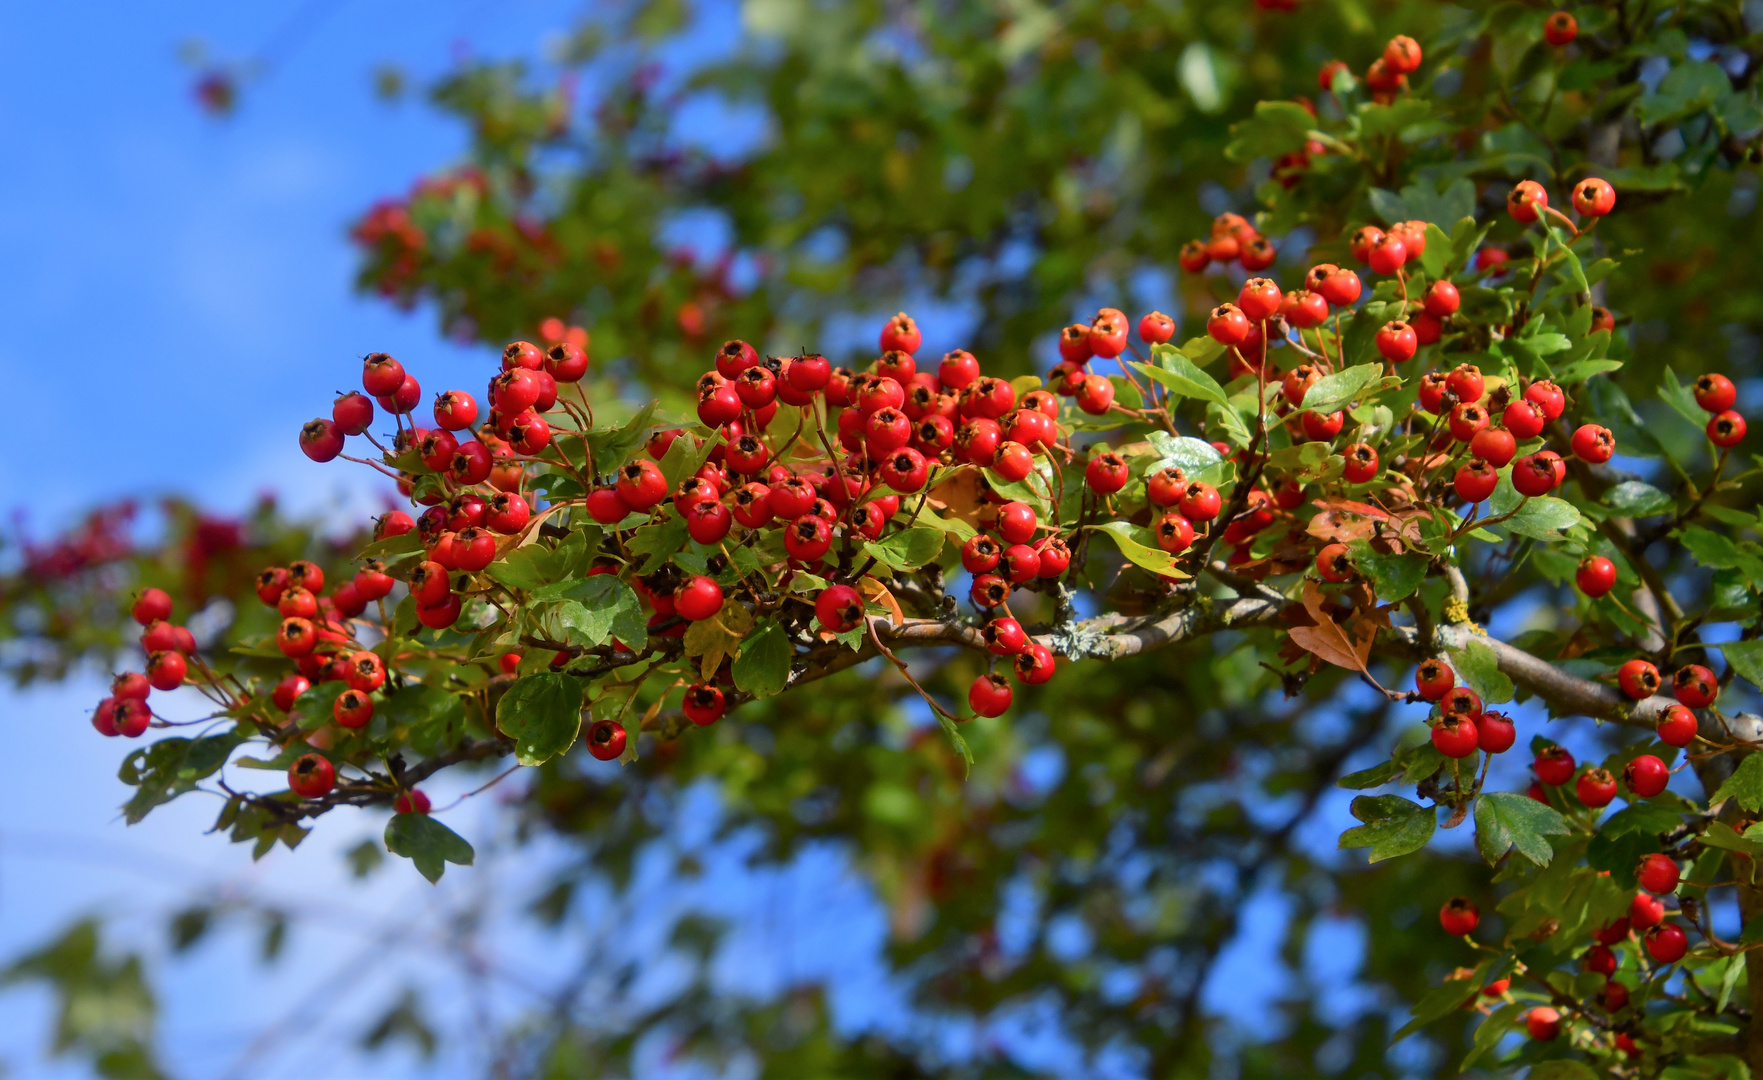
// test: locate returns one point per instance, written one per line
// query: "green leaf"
(1632, 498)
(1393, 827)
(1131, 540)
(660, 542)
(1745, 784)
(1581, 370)
(685, 457)
(1277, 128)
(427, 843)
(1305, 460)
(1681, 399)
(1333, 392)
(613, 446)
(542, 714)
(1722, 553)
(1542, 517)
(1393, 577)
(1746, 658)
(1505, 820)
(763, 667)
(1182, 375)
(908, 549)
(526, 567)
(1195, 457)
(402, 544)
(1376, 776)
(1479, 669)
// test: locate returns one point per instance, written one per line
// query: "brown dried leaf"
(1326, 639)
(877, 593)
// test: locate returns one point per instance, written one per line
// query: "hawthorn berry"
(1495, 732)
(1013, 462)
(1034, 664)
(1667, 943)
(1320, 428)
(1456, 736)
(1459, 916)
(990, 695)
(1226, 324)
(1638, 679)
(1645, 911)
(1174, 533)
(839, 609)
(1599, 960)
(1543, 1023)
(1361, 463)
(900, 333)
(365, 671)
(312, 775)
(381, 375)
(1554, 765)
(1560, 28)
(352, 413)
(1715, 393)
(161, 636)
(1526, 201)
(1334, 563)
(1475, 481)
(1004, 636)
(1695, 686)
(703, 704)
(272, 582)
(1108, 473)
(1201, 502)
(1467, 421)
(1593, 443)
(1677, 726)
(321, 440)
(1095, 395)
(1433, 679)
(606, 740)
(392, 523)
(1596, 576)
(352, 709)
(1433, 393)
(153, 605)
(1496, 446)
(1396, 341)
(131, 684)
(411, 801)
(1595, 787)
(1727, 430)
(698, 599)
(1646, 775)
(1305, 309)
(1535, 474)
(1021, 563)
(297, 602)
(1461, 701)
(1441, 299)
(1108, 333)
(1387, 255)
(1155, 328)
(808, 538)
(1337, 285)
(1548, 397)
(1016, 522)
(1658, 874)
(566, 362)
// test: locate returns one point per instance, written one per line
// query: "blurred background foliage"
(999, 169)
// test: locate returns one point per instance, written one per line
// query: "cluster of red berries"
(1665, 942)
(1716, 394)
(1386, 76)
(170, 650)
(1233, 240)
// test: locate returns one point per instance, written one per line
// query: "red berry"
(1677, 726)
(1108, 333)
(1108, 473)
(321, 440)
(411, 802)
(1095, 395)
(166, 670)
(455, 410)
(1434, 679)
(1561, 28)
(1495, 732)
(1645, 911)
(1496, 446)
(1387, 255)
(905, 470)
(990, 695)
(1727, 430)
(1596, 787)
(1021, 563)
(1396, 341)
(1201, 502)
(1337, 285)
(1554, 765)
(698, 599)
(1596, 576)
(839, 608)
(1593, 443)
(404, 399)
(1402, 54)
(1526, 201)
(1335, 563)
(1715, 393)
(1155, 328)
(1320, 428)
(606, 740)
(1467, 421)
(1542, 1023)
(1536, 474)
(352, 413)
(152, 606)
(289, 690)
(902, 334)
(1016, 522)
(352, 709)
(1456, 736)
(1442, 299)
(1361, 463)
(607, 507)
(1646, 776)
(808, 537)
(1695, 686)
(1658, 874)
(1174, 533)
(1599, 960)
(1638, 679)
(311, 776)
(1667, 943)
(1459, 916)
(703, 704)
(1476, 481)
(381, 375)
(1004, 636)
(1461, 701)
(566, 362)
(1166, 487)
(1259, 299)
(641, 485)
(1227, 325)
(1593, 197)
(1548, 397)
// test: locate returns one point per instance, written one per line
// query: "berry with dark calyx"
(1227, 325)
(1166, 487)
(455, 410)
(381, 375)
(471, 464)
(1695, 686)
(352, 413)
(1108, 334)
(1014, 461)
(1593, 197)
(473, 549)
(1677, 726)
(1361, 463)
(1495, 732)
(1461, 701)
(1004, 636)
(1534, 474)
(990, 695)
(708, 521)
(1201, 502)
(321, 440)
(566, 362)
(703, 705)
(901, 333)
(1727, 430)
(1526, 201)
(1095, 395)
(1715, 393)
(980, 554)
(311, 776)
(989, 590)
(1475, 481)
(905, 470)
(1543, 1023)
(641, 485)
(507, 513)
(1459, 916)
(1467, 421)
(1156, 329)
(1396, 341)
(166, 670)
(1667, 943)
(404, 399)
(1258, 299)
(1387, 255)
(1548, 397)
(1596, 576)
(1560, 28)
(437, 449)
(1554, 765)
(365, 671)
(1466, 382)
(1595, 787)
(1456, 736)
(352, 709)
(839, 609)
(272, 582)
(1646, 775)
(1021, 563)
(1108, 473)
(735, 357)
(1034, 664)
(1174, 533)
(392, 523)
(1433, 394)
(1658, 874)
(297, 603)
(1638, 679)
(1593, 443)
(1074, 340)
(1322, 428)
(1402, 54)
(1433, 679)
(606, 740)
(808, 538)
(131, 684)
(1334, 563)
(1337, 285)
